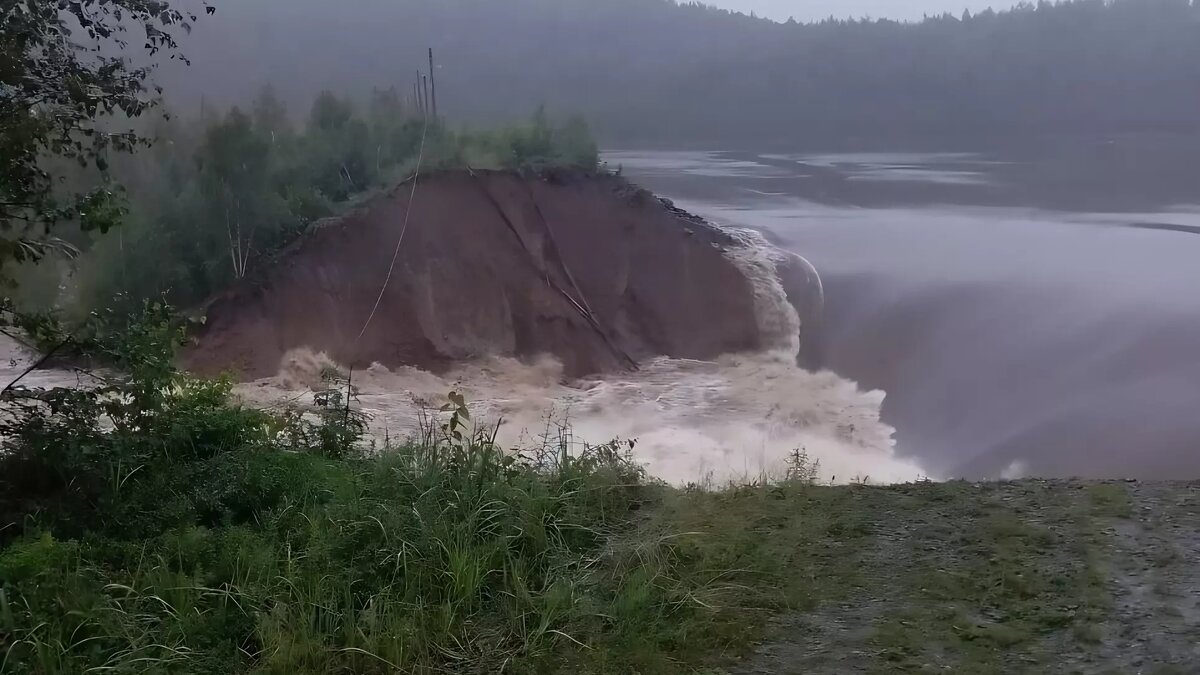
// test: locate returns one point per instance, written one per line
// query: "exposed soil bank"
(588, 269)
(557, 299)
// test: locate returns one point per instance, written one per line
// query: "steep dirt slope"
(587, 268)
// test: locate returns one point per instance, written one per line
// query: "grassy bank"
(153, 525)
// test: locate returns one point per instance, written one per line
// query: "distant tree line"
(658, 70)
(1089, 66)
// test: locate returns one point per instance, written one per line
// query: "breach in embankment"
(558, 291)
(586, 268)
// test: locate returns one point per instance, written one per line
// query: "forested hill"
(655, 70)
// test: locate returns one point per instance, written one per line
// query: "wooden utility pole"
(433, 84)
(425, 79)
(417, 94)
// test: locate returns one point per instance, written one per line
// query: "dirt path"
(1028, 577)
(1152, 564)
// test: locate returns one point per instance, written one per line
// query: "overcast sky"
(808, 10)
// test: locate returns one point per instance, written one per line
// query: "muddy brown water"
(1013, 313)
(729, 404)
(1027, 313)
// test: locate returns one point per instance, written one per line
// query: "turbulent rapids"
(556, 301)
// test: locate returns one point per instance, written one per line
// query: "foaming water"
(738, 417)
(778, 322)
(15, 361)
(734, 418)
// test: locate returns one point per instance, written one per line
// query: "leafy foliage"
(63, 69)
(93, 459)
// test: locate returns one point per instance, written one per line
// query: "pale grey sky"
(808, 10)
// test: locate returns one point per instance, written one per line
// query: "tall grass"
(430, 556)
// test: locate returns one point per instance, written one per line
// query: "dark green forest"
(652, 71)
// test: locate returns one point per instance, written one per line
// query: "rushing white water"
(777, 319)
(16, 361)
(736, 418)
(739, 417)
